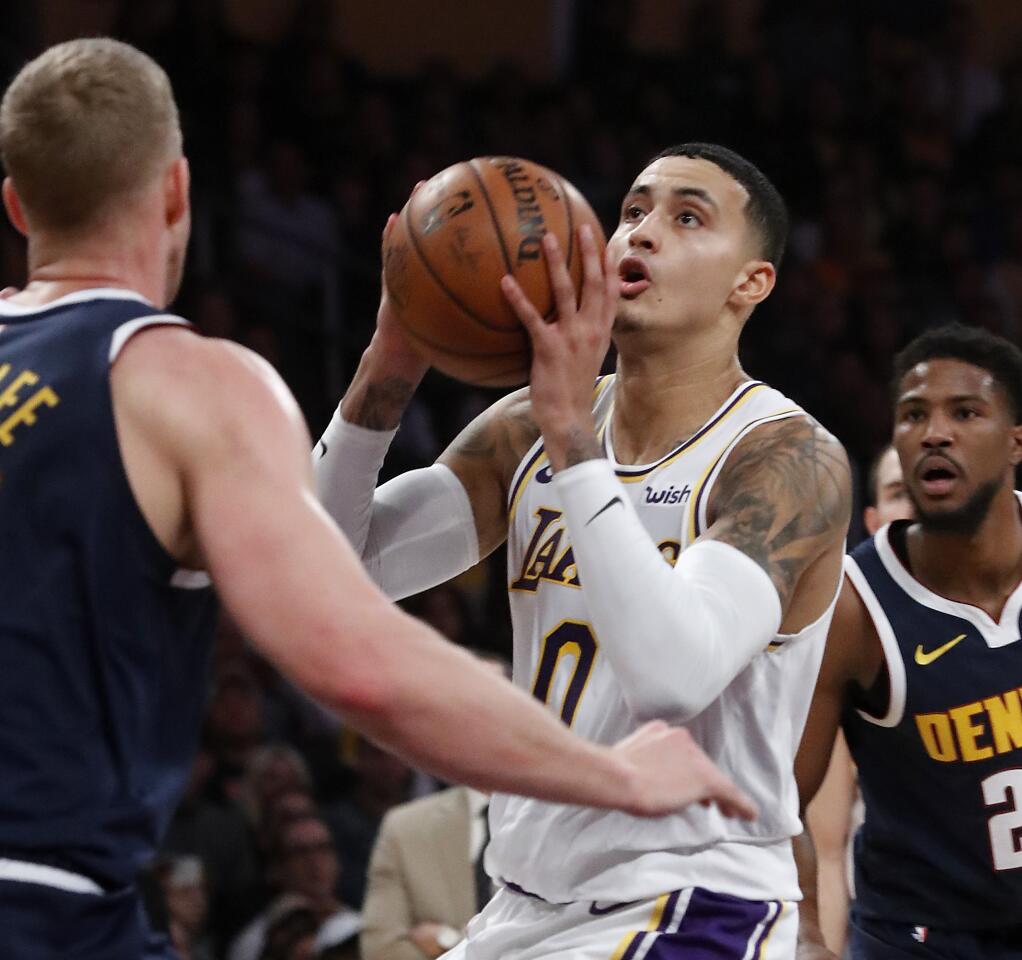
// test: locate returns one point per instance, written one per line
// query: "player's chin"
(628, 320)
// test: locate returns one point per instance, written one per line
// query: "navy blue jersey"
(941, 770)
(104, 643)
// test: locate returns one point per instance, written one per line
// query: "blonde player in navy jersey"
(675, 538)
(134, 455)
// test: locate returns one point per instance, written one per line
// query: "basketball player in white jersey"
(675, 538)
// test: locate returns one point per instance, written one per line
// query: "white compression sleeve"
(346, 462)
(422, 532)
(676, 637)
(415, 531)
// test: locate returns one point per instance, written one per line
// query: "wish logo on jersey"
(549, 557)
(670, 495)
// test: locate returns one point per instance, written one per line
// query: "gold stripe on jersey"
(625, 474)
(654, 921)
(774, 924)
(697, 492)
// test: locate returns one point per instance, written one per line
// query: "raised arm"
(430, 524)
(777, 522)
(852, 658)
(217, 433)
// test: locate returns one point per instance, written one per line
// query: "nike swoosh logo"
(923, 658)
(322, 453)
(606, 506)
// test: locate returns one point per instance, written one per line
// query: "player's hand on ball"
(567, 352)
(672, 772)
(389, 339)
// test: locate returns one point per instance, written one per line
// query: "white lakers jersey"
(566, 853)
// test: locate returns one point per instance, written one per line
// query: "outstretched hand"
(567, 352)
(672, 772)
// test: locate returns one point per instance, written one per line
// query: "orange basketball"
(456, 237)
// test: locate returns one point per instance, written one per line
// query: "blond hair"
(86, 124)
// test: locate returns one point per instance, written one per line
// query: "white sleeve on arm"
(676, 637)
(413, 532)
(346, 462)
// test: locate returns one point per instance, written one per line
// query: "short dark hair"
(765, 211)
(974, 345)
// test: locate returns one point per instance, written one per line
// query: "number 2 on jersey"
(1005, 788)
(570, 638)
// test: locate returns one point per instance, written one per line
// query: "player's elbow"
(671, 702)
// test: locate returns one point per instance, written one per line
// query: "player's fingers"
(593, 286)
(611, 287)
(522, 306)
(418, 186)
(732, 801)
(560, 281)
(389, 226)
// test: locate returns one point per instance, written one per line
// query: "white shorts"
(689, 924)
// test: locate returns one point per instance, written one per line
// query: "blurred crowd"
(893, 134)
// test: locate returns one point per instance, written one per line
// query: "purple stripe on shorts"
(714, 927)
(633, 946)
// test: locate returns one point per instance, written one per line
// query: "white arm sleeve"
(676, 637)
(415, 531)
(346, 462)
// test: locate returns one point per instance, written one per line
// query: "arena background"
(894, 131)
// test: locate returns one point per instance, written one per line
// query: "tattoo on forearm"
(384, 403)
(784, 493)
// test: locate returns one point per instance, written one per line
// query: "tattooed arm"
(677, 637)
(783, 498)
(484, 457)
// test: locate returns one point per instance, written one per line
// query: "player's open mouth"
(634, 277)
(938, 476)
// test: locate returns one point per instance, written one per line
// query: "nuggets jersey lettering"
(103, 642)
(941, 771)
(566, 853)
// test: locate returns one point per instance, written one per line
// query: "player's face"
(681, 244)
(892, 500)
(957, 441)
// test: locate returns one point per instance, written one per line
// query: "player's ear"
(177, 183)
(754, 283)
(1016, 444)
(12, 203)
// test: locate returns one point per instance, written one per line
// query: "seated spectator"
(425, 878)
(303, 865)
(272, 770)
(338, 938)
(382, 781)
(292, 935)
(182, 882)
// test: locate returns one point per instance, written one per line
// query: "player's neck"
(662, 398)
(982, 568)
(58, 269)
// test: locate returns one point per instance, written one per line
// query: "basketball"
(456, 237)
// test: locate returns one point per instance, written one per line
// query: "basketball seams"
(453, 297)
(493, 217)
(490, 378)
(571, 230)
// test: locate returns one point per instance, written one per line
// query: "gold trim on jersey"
(624, 471)
(632, 935)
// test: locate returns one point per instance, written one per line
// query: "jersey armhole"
(182, 578)
(893, 661)
(126, 331)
